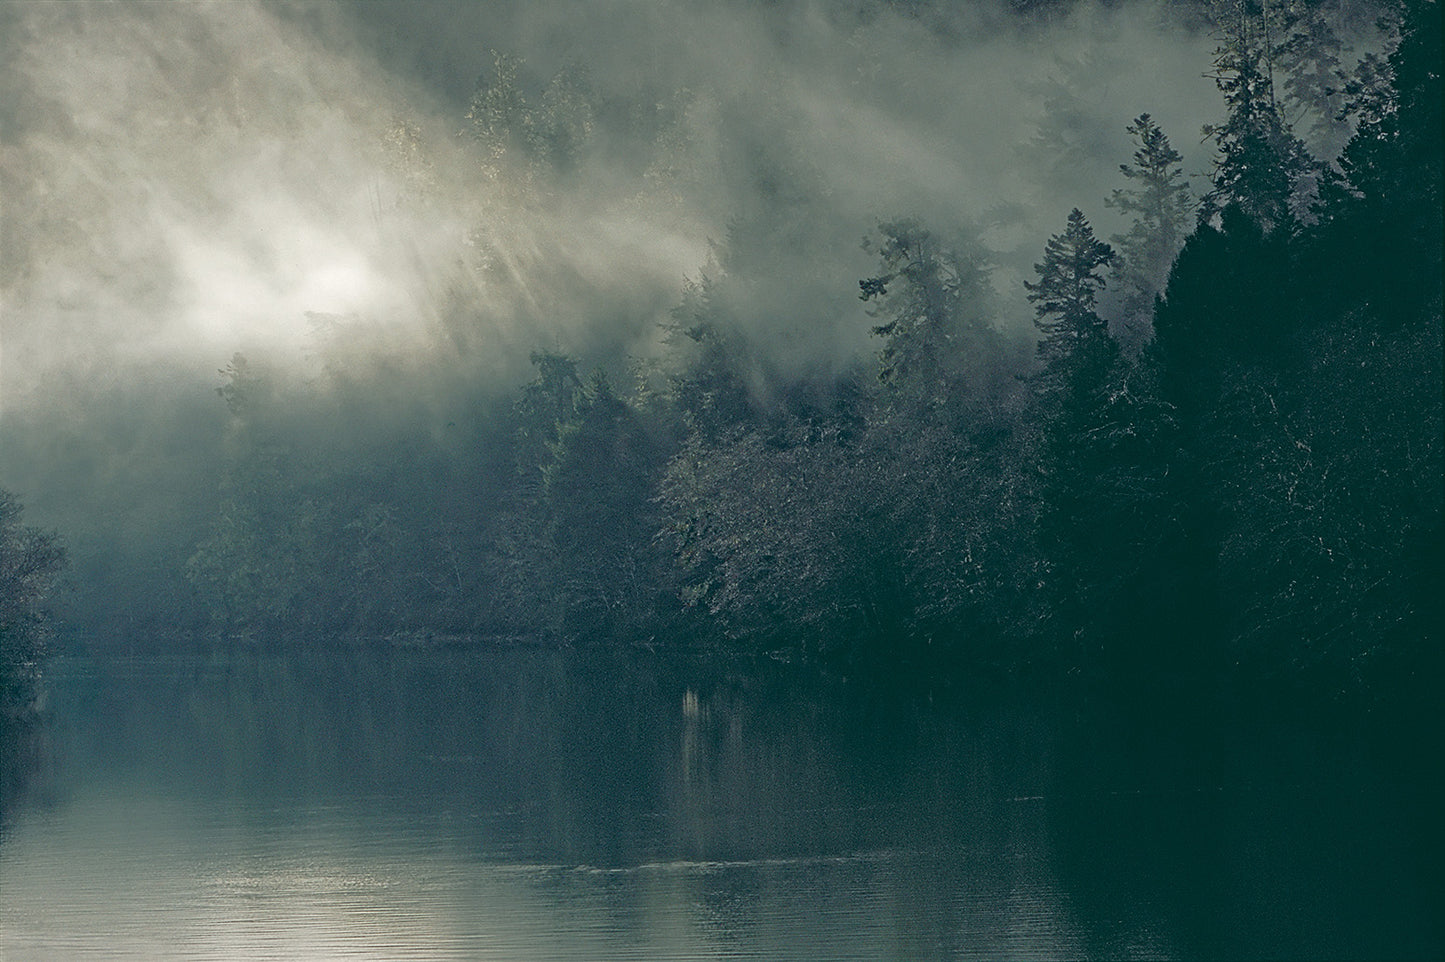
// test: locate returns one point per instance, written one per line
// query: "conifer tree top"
(1069, 278)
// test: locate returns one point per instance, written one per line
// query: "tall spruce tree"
(1259, 164)
(1163, 210)
(1115, 537)
(1066, 297)
(1078, 358)
(941, 354)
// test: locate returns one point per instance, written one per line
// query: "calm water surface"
(356, 803)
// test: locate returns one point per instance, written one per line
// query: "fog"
(187, 180)
(307, 183)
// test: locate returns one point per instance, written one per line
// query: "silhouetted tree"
(1384, 234)
(1065, 297)
(597, 494)
(1078, 359)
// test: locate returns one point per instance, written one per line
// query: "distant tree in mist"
(1069, 132)
(31, 562)
(409, 161)
(577, 557)
(501, 121)
(305, 537)
(563, 125)
(548, 137)
(1260, 165)
(257, 565)
(933, 301)
(1162, 209)
(1314, 82)
(715, 378)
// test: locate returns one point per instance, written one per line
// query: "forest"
(1212, 448)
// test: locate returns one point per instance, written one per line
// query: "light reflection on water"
(522, 805)
(127, 877)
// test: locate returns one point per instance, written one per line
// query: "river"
(354, 802)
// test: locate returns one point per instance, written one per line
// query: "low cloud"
(187, 180)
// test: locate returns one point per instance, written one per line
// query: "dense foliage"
(1231, 457)
(30, 564)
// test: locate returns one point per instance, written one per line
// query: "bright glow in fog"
(259, 286)
(190, 179)
(199, 178)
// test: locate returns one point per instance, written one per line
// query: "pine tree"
(1162, 207)
(1079, 358)
(1066, 296)
(940, 352)
(1260, 164)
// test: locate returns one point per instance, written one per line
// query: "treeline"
(1223, 446)
(31, 562)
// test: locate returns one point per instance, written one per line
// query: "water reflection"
(358, 803)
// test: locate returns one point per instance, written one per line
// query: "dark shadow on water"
(1251, 824)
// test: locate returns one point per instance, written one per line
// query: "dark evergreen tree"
(1078, 359)
(1223, 305)
(546, 405)
(1382, 239)
(1287, 359)
(1331, 491)
(1065, 297)
(574, 554)
(597, 496)
(1228, 298)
